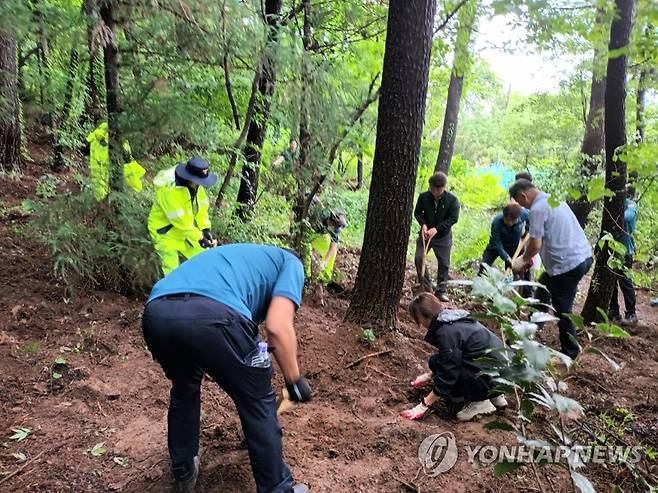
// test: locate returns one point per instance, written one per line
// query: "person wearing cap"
(204, 318)
(327, 225)
(178, 223)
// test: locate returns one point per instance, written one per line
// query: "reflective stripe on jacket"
(174, 208)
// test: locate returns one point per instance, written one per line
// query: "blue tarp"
(503, 173)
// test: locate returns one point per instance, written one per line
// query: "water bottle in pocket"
(262, 358)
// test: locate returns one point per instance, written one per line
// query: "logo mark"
(438, 453)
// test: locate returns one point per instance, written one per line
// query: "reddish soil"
(350, 438)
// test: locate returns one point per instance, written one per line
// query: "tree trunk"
(380, 277)
(93, 107)
(10, 122)
(112, 95)
(591, 148)
(63, 115)
(300, 208)
(359, 170)
(603, 279)
(258, 127)
(460, 66)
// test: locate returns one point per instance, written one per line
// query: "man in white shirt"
(564, 251)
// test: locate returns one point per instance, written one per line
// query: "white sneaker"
(474, 409)
(499, 401)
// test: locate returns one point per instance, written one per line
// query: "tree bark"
(301, 173)
(66, 109)
(400, 118)
(258, 127)
(604, 279)
(591, 149)
(10, 122)
(359, 170)
(460, 65)
(93, 107)
(112, 95)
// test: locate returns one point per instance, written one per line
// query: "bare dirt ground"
(349, 439)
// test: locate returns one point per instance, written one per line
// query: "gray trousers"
(441, 247)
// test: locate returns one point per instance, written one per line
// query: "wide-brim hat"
(197, 171)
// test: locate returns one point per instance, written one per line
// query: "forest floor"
(349, 439)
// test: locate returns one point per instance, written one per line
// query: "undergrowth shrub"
(97, 246)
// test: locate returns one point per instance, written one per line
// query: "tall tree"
(258, 126)
(591, 148)
(460, 65)
(10, 123)
(612, 223)
(112, 89)
(400, 118)
(93, 106)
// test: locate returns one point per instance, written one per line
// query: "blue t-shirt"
(630, 219)
(505, 239)
(244, 277)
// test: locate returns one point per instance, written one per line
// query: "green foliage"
(92, 248)
(367, 337)
(529, 369)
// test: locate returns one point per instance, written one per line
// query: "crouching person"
(454, 369)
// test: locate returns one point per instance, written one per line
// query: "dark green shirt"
(441, 214)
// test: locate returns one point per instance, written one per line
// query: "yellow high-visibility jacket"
(132, 170)
(174, 210)
(99, 161)
(132, 175)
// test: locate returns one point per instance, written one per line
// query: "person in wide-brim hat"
(197, 171)
(179, 221)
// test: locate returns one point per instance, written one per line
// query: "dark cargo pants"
(189, 335)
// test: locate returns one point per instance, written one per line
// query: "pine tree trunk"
(112, 96)
(10, 122)
(93, 107)
(603, 279)
(591, 148)
(380, 277)
(640, 120)
(258, 127)
(62, 117)
(460, 65)
(359, 170)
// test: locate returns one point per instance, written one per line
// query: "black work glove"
(508, 263)
(207, 234)
(207, 241)
(299, 391)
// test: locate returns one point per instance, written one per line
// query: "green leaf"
(98, 449)
(577, 320)
(20, 456)
(582, 483)
(537, 354)
(615, 366)
(505, 467)
(574, 194)
(612, 330)
(20, 434)
(60, 361)
(499, 425)
(526, 409)
(56, 376)
(503, 304)
(553, 202)
(122, 461)
(482, 287)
